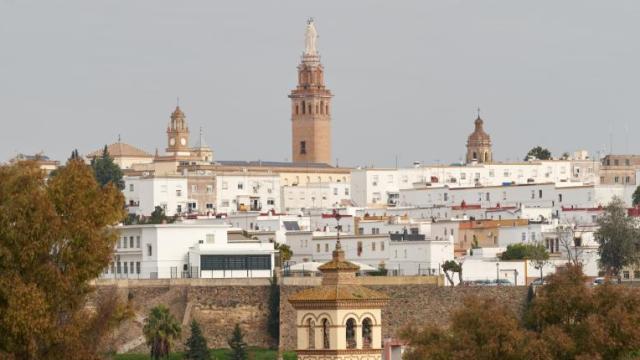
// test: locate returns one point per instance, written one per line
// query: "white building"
(417, 254)
(315, 196)
(245, 191)
(143, 193)
(187, 250)
(380, 187)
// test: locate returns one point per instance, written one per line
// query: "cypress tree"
(196, 345)
(273, 322)
(237, 345)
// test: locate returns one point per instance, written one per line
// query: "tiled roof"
(121, 149)
(338, 293)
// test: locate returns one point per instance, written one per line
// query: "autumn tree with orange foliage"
(55, 237)
(566, 320)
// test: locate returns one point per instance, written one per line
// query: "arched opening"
(351, 333)
(297, 109)
(486, 156)
(321, 107)
(326, 110)
(312, 334)
(367, 333)
(325, 334)
(303, 107)
(475, 156)
(309, 108)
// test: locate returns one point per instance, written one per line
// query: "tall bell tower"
(311, 107)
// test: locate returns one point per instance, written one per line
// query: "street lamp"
(497, 274)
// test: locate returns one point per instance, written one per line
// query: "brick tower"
(178, 134)
(310, 107)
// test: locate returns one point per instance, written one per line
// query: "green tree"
(196, 345)
(273, 321)
(522, 251)
(539, 153)
(618, 238)
(160, 330)
(636, 197)
(237, 345)
(453, 267)
(55, 237)
(285, 251)
(107, 171)
(157, 216)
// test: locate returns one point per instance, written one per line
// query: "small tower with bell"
(339, 319)
(178, 134)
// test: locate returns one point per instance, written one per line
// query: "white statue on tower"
(311, 36)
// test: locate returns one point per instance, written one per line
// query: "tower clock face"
(172, 141)
(183, 141)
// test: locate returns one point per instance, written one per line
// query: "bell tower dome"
(479, 144)
(339, 320)
(311, 107)
(178, 134)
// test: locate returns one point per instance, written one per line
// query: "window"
(346, 191)
(194, 188)
(559, 197)
(118, 267)
(303, 147)
(539, 194)
(137, 267)
(311, 332)
(504, 195)
(533, 194)
(616, 162)
(225, 203)
(366, 333)
(149, 250)
(130, 187)
(625, 274)
(178, 192)
(131, 242)
(240, 185)
(335, 191)
(124, 242)
(373, 246)
(636, 274)
(209, 206)
(616, 179)
(235, 262)
(524, 236)
(492, 173)
(211, 238)
(126, 270)
(326, 247)
(488, 197)
(351, 333)
(318, 248)
(325, 334)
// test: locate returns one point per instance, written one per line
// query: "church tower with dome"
(340, 319)
(479, 144)
(178, 134)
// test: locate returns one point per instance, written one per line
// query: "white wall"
(315, 195)
(149, 192)
(235, 189)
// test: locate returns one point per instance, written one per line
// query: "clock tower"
(178, 134)
(311, 107)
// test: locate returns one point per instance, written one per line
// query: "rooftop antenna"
(478, 111)
(119, 139)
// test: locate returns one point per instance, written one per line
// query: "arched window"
(325, 334)
(297, 108)
(312, 334)
(326, 110)
(367, 328)
(321, 106)
(486, 156)
(351, 333)
(303, 107)
(309, 108)
(475, 156)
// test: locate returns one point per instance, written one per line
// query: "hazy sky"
(407, 75)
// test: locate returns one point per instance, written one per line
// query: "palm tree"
(160, 329)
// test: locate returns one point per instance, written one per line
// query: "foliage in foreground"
(160, 330)
(196, 345)
(566, 320)
(218, 354)
(237, 345)
(54, 239)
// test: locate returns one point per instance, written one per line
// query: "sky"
(407, 76)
